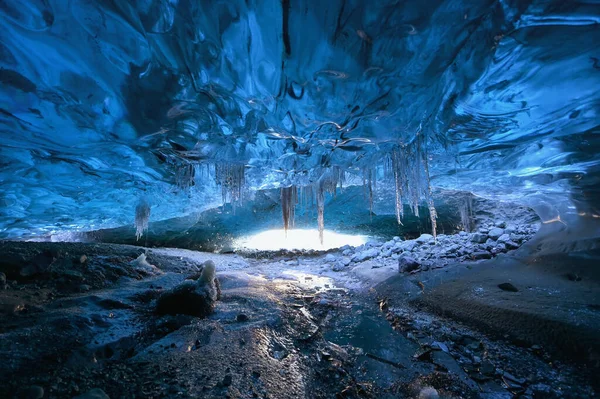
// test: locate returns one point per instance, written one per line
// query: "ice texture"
(187, 104)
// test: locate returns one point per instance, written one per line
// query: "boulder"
(407, 264)
(194, 298)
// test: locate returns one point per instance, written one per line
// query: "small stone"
(347, 252)
(241, 318)
(487, 368)
(500, 223)
(95, 393)
(479, 238)
(227, 380)
(365, 255)
(396, 238)
(424, 238)
(84, 288)
(495, 233)
(508, 287)
(330, 258)
(504, 238)
(511, 245)
(83, 259)
(428, 393)
(481, 255)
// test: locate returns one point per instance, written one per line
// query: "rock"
(241, 318)
(365, 255)
(227, 380)
(408, 245)
(500, 223)
(84, 288)
(194, 298)
(463, 233)
(453, 248)
(504, 238)
(511, 245)
(3, 284)
(479, 238)
(330, 258)
(347, 252)
(338, 267)
(407, 264)
(387, 253)
(428, 393)
(487, 368)
(508, 287)
(424, 238)
(481, 255)
(495, 233)
(346, 261)
(95, 393)
(32, 392)
(396, 238)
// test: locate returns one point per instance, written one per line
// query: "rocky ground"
(417, 318)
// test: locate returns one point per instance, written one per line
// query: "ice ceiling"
(104, 103)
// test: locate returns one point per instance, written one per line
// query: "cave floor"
(80, 316)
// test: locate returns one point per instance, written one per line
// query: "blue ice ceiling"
(106, 102)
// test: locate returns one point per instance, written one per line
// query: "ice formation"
(103, 102)
(142, 218)
(289, 199)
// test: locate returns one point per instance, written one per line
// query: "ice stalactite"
(396, 167)
(430, 204)
(327, 183)
(185, 175)
(289, 200)
(466, 213)
(409, 166)
(231, 178)
(142, 217)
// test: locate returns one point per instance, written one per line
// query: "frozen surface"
(179, 103)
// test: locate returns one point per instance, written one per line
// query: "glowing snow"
(272, 240)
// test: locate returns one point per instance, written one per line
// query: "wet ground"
(75, 317)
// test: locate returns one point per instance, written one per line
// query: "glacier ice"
(188, 104)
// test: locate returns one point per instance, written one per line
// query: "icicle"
(466, 213)
(321, 212)
(184, 175)
(231, 178)
(289, 199)
(432, 210)
(142, 217)
(395, 166)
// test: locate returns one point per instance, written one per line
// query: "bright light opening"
(273, 240)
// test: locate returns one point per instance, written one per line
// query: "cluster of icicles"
(406, 166)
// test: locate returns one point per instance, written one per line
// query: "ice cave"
(300, 199)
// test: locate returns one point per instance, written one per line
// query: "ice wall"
(106, 103)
